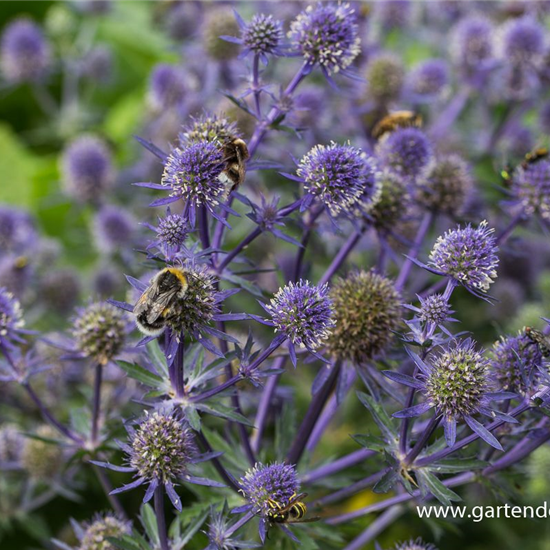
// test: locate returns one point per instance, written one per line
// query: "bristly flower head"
(531, 188)
(385, 76)
(392, 14)
(434, 311)
(327, 34)
(192, 174)
(417, 544)
(11, 316)
(468, 255)
(96, 533)
(113, 228)
(394, 203)
(523, 41)
(209, 127)
(220, 534)
(343, 177)
(263, 36)
(407, 152)
(24, 52)
(367, 309)
(167, 87)
(515, 364)
(59, 290)
(277, 482)
(87, 169)
(99, 331)
(428, 79)
(472, 44)
(303, 313)
(172, 232)
(447, 185)
(220, 22)
(17, 230)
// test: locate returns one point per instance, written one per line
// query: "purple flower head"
(220, 22)
(406, 152)
(434, 310)
(220, 534)
(17, 230)
(99, 331)
(24, 52)
(16, 273)
(428, 80)
(181, 22)
(59, 289)
(515, 364)
(98, 64)
(457, 385)
(303, 313)
(327, 34)
(385, 76)
(113, 228)
(11, 316)
(172, 232)
(417, 544)
(531, 188)
(263, 35)
(516, 82)
(467, 255)
(394, 204)
(208, 127)
(343, 177)
(523, 41)
(276, 482)
(106, 281)
(393, 14)
(95, 534)
(192, 173)
(167, 86)
(87, 169)
(161, 448)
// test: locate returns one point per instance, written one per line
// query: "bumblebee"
(395, 120)
(158, 303)
(530, 158)
(540, 339)
(293, 512)
(235, 155)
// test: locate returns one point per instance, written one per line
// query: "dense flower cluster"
(95, 537)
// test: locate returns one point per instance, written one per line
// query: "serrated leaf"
(386, 482)
(370, 442)
(380, 416)
(456, 465)
(217, 409)
(433, 485)
(244, 284)
(142, 375)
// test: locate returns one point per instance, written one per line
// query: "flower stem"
(508, 230)
(107, 488)
(96, 404)
(203, 227)
(298, 264)
(345, 462)
(256, 84)
(239, 248)
(161, 518)
(424, 438)
(312, 415)
(375, 528)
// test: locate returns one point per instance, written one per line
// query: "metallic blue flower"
(472, 43)
(531, 189)
(457, 385)
(344, 178)
(385, 76)
(17, 230)
(327, 34)
(87, 169)
(11, 318)
(113, 228)
(303, 313)
(25, 54)
(428, 80)
(434, 311)
(467, 255)
(392, 14)
(208, 127)
(172, 232)
(167, 86)
(406, 152)
(523, 41)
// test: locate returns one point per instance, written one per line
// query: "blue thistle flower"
(11, 318)
(25, 54)
(167, 86)
(428, 80)
(523, 41)
(327, 34)
(456, 384)
(95, 535)
(220, 22)
(17, 230)
(172, 232)
(531, 189)
(302, 312)
(385, 76)
(98, 64)
(208, 127)
(417, 544)
(192, 173)
(472, 43)
(87, 169)
(392, 14)
(434, 311)
(59, 289)
(467, 255)
(407, 152)
(344, 178)
(113, 228)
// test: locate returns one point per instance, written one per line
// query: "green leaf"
(222, 411)
(157, 357)
(456, 465)
(430, 483)
(370, 442)
(149, 522)
(193, 417)
(126, 542)
(244, 284)
(387, 481)
(380, 416)
(81, 420)
(142, 375)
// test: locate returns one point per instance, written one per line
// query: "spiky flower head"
(172, 231)
(96, 533)
(394, 202)
(343, 177)
(417, 544)
(468, 255)
(11, 315)
(11, 443)
(303, 313)
(523, 40)
(113, 228)
(87, 169)
(393, 14)
(447, 186)
(25, 54)
(59, 289)
(99, 331)
(209, 127)
(406, 152)
(367, 308)
(98, 64)
(515, 362)
(220, 22)
(263, 35)
(277, 482)
(327, 34)
(17, 230)
(472, 42)
(458, 381)
(161, 448)
(41, 458)
(531, 188)
(434, 309)
(192, 173)
(429, 79)
(167, 86)
(385, 76)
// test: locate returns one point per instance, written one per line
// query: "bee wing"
(153, 303)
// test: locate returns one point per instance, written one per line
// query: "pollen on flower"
(11, 314)
(96, 533)
(263, 34)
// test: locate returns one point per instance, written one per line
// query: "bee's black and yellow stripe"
(294, 510)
